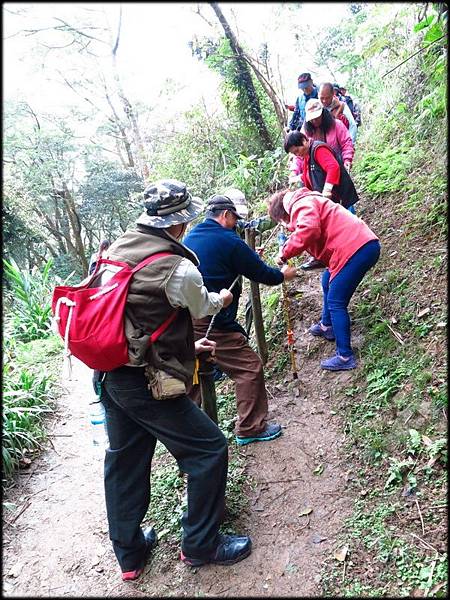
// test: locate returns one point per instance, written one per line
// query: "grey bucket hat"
(167, 202)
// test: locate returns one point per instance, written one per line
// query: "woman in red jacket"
(344, 243)
(323, 172)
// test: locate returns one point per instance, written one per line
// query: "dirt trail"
(56, 543)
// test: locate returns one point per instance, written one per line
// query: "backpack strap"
(150, 259)
(162, 328)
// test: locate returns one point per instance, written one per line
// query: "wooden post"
(207, 387)
(256, 306)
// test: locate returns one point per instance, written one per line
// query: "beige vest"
(147, 304)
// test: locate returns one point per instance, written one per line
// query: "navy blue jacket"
(298, 117)
(223, 256)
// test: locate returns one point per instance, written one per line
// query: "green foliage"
(385, 171)
(238, 100)
(107, 193)
(16, 230)
(30, 309)
(28, 393)
(257, 175)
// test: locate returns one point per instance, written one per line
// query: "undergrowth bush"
(29, 376)
(28, 300)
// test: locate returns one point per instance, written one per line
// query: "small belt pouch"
(162, 385)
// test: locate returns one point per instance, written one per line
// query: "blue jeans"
(337, 294)
(352, 209)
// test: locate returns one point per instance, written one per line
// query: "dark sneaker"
(151, 541)
(317, 330)
(218, 375)
(336, 363)
(231, 549)
(312, 263)
(272, 431)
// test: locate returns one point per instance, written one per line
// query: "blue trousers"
(338, 292)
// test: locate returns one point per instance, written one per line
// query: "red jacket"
(327, 230)
(329, 164)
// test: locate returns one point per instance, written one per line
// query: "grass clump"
(30, 372)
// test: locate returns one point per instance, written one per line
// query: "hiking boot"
(231, 549)
(336, 363)
(312, 263)
(218, 375)
(151, 541)
(272, 431)
(317, 330)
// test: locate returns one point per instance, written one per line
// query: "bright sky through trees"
(153, 47)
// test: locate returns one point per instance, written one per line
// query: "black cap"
(218, 203)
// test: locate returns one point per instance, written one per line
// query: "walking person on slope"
(136, 419)
(223, 257)
(344, 243)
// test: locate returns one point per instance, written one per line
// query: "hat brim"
(242, 211)
(313, 115)
(235, 213)
(182, 216)
(305, 84)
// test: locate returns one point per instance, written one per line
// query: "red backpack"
(91, 320)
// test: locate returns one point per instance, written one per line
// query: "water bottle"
(282, 238)
(98, 426)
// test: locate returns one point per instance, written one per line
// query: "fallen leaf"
(163, 533)
(305, 511)
(426, 440)
(432, 461)
(318, 470)
(317, 538)
(423, 312)
(341, 554)
(436, 588)
(394, 320)
(441, 324)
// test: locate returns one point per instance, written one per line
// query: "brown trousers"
(243, 366)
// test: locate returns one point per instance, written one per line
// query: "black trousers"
(135, 421)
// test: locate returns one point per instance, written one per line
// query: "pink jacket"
(327, 230)
(338, 138)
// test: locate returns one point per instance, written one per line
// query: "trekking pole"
(270, 237)
(286, 305)
(206, 375)
(208, 331)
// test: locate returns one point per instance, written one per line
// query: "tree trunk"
(246, 79)
(270, 91)
(128, 109)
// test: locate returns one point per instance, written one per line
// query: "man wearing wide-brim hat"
(136, 416)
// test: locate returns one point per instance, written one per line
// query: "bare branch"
(58, 47)
(31, 111)
(202, 16)
(116, 45)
